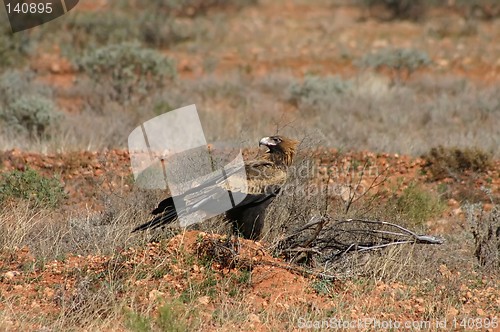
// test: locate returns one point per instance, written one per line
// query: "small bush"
(17, 83)
(418, 205)
(485, 228)
(14, 84)
(314, 89)
(26, 106)
(398, 59)
(397, 9)
(31, 186)
(127, 70)
(33, 114)
(444, 162)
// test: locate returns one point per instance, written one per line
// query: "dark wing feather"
(263, 181)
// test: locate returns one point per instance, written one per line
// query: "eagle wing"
(263, 181)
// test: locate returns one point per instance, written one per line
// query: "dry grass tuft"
(445, 162)
(485, 228)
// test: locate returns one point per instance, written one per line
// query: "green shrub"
(136, 322)
(172, 317)
(32, 113)
(94, 29)
(444, 162)
(125, 71)
(323, 286)
(315, 89)
(14, 48)
(398, 59)
(31, 186)
(418, 205)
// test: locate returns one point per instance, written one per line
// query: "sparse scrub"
(400, 60)
(50, 233)
(127, 71)
(30, 186)
(445, 162)
(408, 119)
(85, 234)
(485, 228)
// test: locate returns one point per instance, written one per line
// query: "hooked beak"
(267, 141)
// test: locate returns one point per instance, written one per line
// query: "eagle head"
(282, 148)
(271, 142)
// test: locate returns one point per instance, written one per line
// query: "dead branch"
(330, 239)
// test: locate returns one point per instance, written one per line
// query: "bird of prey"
(265, 177)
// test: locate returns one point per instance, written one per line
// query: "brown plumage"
(264, 179)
